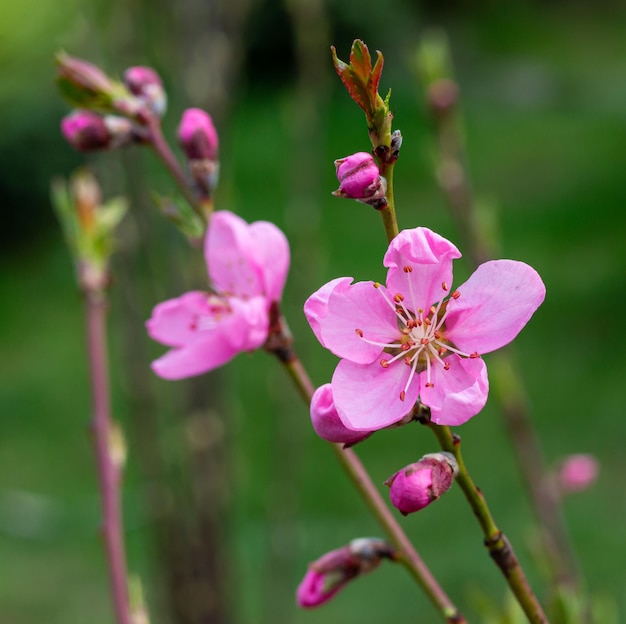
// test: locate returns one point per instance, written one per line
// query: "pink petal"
(495, 303)
(430, 258)
(326, 421)
(174, 321)
(229, 253)
(249, 323)
(239, 326)
(458, 393)
(316, 306)
(271, 251)
(367, 396)
(195, 359)
(349, 315)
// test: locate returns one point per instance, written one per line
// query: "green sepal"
(84, 98)
(108, 216)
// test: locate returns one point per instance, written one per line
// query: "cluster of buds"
(111, 114)
(332, 572)
(419, 484)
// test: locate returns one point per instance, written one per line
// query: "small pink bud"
(90, 132)
(577, 472)
(326, 421)
(332, 572)
(418, 485)
(197, 135)
(360, 179)
(146, 84)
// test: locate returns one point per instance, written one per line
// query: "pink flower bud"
(418, 485)
(326, 421)
(331, 572)
(577, 472)
(90, 132)
(86, 78)
(197, 135)
(360, 179)
(146, 84)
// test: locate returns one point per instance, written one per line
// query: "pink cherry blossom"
(415, 338)
(247, 266)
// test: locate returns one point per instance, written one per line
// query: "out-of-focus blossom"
(577, 472)
(87, 131)
(418, 485)
(415, 338)
(197, 135)
(247, 266)
(146, 84)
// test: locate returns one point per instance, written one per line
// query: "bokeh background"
(226, 481)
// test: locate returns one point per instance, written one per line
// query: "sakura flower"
(247, 266)
(414, 338)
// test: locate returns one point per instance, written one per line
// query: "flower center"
(422, 343)
(217, 309)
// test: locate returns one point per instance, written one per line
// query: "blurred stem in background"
(302, 170)
(186, 494)
(89, 228)
(476, 230)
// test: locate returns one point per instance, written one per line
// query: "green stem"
(496, 542)
(166, 156)
(388, 213)
(352, 465)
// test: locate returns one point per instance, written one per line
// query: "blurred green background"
(544, 102)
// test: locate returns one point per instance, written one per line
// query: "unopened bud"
(419, 484)
(577, 473)
(87, 196)
(146, 84)
(326, 421)
(89, 132)
(332, 572)
(197, 135)
(84, 83)
(360, 179)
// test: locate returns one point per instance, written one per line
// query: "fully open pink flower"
(247, 265)
(415, 338)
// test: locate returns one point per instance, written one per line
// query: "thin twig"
(108, 470)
